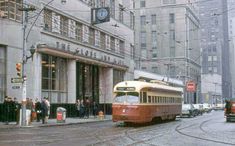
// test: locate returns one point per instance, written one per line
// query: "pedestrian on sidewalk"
(17, 107)
(38, 109)
(44, 110)
(6, 106)
(48, 109)
(78, 105)
(82, 109)
(94, 109)
(87, 108)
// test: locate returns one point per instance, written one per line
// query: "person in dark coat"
(38, 109)
(44, 110)
(87, 108)
(94, 109)
(82, 109)
(7, 106)
(17, 107)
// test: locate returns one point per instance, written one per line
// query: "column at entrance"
(106, 85)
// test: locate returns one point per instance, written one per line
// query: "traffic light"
(19, 69)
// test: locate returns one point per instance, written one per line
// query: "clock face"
(102, 14)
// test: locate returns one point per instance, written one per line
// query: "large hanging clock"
(102, 13)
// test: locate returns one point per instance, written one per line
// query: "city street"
(206, 130)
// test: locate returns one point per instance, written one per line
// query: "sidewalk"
(53, 122)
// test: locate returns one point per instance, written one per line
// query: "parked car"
(188, 110)
(207, 107)
(199, 108)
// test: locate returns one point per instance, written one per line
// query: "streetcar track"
(201, 138)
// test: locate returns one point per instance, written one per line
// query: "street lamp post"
(32, 50)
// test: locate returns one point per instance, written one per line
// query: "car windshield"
(129, 97)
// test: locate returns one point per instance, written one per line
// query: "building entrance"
(87, 83)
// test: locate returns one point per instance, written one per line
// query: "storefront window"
(2, 73)
(54, 78)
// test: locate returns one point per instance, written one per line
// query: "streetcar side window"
(144, 97)
(149, 99)
(141, 98)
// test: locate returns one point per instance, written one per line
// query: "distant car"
(188, 110)
(199, 108)
(207, 107)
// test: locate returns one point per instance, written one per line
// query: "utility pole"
(214, 97)
(25, 11)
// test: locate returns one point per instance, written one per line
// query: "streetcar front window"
(128, 97)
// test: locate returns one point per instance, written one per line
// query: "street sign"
(17, 80)
(191, 86)
(15, 87)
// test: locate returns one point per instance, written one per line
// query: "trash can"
(60, 115)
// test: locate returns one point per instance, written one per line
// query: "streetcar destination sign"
(17, 80)
(126, 88)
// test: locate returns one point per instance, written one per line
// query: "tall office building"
(167, 41)
(216, 78)
(231, 30)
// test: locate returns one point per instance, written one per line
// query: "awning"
(78, 57)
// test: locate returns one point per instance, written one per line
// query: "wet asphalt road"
(206, 130)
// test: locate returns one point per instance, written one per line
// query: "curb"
(50, 125)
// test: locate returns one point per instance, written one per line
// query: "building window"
(172, 18)
(121, 9)
(142, 20)
(78, 31)
(154, 55)
(209, 58)
(154, 40)
(172, 51)
(214, 58)
(143, 68)
(102, 40)
(215, 69)
(214, 49)
(54, 78)
(118, 76)
(142, 3)
(132, 20)
(72, 26)
(64, 26)
(169, 1)
(97, 38)
(154, 69)
(143, 40)
(132, 51)
(55, 28)
(112, 44)
(122, 47)
(47, 20)
(85, 33)
(112, 8)
(154, 19)
(92, 36)
(107, 42)
(172, 38)
(2, 73)
(10, 8)
(209, 69)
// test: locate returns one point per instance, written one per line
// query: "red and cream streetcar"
(140, 102)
